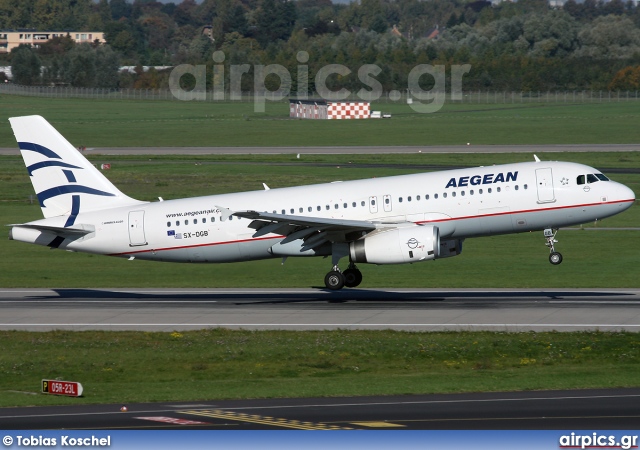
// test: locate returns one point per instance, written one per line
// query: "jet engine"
(450, 247)
(397, 246)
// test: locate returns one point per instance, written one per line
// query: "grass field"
(129, 367)
(123, 367)
(589, 259)
(118, 123)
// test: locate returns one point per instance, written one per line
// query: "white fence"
(486, 97)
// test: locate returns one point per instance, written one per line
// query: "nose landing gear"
(555, 258)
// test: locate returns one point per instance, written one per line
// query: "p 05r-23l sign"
(56, 387)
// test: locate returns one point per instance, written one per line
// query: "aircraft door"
(136, 229)
(386, 203)
(544, 181)
(373, 205)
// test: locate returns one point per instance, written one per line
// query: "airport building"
(329, 109)
(9, 39)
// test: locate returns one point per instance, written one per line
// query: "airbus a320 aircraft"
(393, 220)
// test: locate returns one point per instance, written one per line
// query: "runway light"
(124, 409)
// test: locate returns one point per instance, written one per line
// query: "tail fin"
(64, 180)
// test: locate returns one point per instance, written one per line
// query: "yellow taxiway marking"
(264, 420)
(379, 424)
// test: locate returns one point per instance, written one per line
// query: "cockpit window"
(580, 179)
(601, 177)
(591, 178)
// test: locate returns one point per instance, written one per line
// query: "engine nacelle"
(397, 246)
(450, 247)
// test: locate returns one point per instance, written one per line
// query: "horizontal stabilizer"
(78, 230)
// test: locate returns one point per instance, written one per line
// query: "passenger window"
(525, 186)
(213, 219)
(292, 210)
(230, 217)
(479, 191)
(168, 224)
(204, 220)
(309, 209)
(186, 222)
(453, 194)
(195, 221)
(444, 195)
(400, 200)
(327, 207)
(177, 223)
(386, 200)
(516, 187)
(462, 193)
(591, 178)
(373, 202)
(409, 198)
(300, 210)
(344, 205)
(489, 191)
(353, 204)
(417, 197)
(471, 192)
(498, 189)
(362, 203)
(284, 212)
(336, 206)
(435, 196)
(426, 197)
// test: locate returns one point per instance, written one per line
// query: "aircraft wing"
(315, 231)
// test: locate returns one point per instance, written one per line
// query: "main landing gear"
(336, 280)
(555, 258)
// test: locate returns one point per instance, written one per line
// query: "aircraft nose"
(625, 193)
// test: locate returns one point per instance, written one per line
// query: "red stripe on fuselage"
(211, 244)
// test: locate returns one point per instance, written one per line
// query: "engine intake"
(397, 246)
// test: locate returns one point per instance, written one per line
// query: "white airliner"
(393, 220)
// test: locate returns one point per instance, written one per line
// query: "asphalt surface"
(472, 148)
(319, 309)
(566, 410)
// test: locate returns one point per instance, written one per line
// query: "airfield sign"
(56, 387)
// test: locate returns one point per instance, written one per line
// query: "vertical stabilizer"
(65, 182)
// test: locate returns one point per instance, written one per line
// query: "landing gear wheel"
(334, 280)
(352, 277)
(555, 258)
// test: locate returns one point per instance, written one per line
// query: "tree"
(25, 65)
(120, 9)
(609, 37)
(107, 65)
(80, 66)
(627, 79)
(275, 20)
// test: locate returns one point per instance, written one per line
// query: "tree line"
(524, 45)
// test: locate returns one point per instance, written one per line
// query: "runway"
(561, 410)
(342, 150)
(319, 309)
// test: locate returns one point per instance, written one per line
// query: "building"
(329, 109)
(10, 39)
